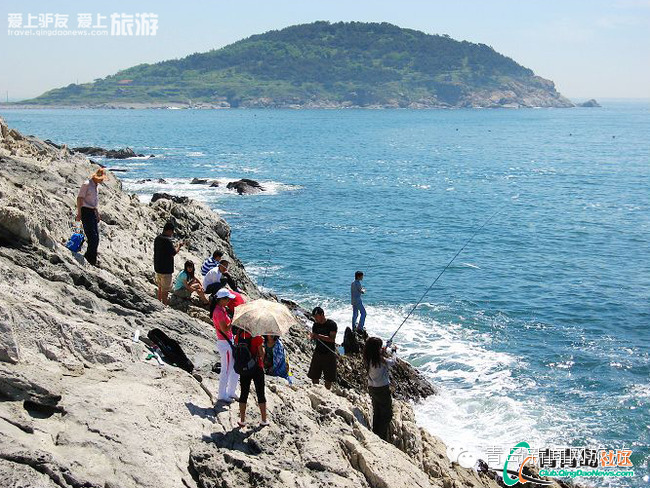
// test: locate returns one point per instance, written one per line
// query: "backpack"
(245, 362)
(170, 349)
(350, 343)
(76, 240)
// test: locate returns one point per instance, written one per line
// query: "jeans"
(382, 409)
(356, 309)
(89, 221)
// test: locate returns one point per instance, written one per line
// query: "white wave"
(203, 193)
(195, 154)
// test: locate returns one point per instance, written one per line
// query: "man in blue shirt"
(357, 305)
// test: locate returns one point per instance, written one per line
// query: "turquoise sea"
(539, 331)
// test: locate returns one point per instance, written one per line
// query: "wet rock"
(245, 186)
(199, 181)
(107, 153)
(167, 196)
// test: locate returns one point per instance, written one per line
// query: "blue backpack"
(76, 240)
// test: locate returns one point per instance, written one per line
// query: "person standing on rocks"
(357, 305)
(163, 261)
(256, 348)
(323, 362)
(211, 262)
(378, 362)
(222, 323)
(88, 213)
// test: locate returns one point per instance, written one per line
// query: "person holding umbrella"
(255, 346)
(256, 319)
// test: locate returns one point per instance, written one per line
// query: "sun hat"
(225, 293)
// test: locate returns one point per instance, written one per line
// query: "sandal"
(241, 424)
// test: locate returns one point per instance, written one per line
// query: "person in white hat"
(228, 379)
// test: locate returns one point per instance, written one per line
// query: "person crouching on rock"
(378, 362)
(186, 284)
(256, 375)
(323, 362)
(227, 377)
(88, 213)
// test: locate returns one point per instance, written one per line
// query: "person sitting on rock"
(211, 262)
(275, 359)
(186, 284)
(88, 213)
(163, 260)
(323, 362)
(378, 361)
(218, 277)
(256, 348)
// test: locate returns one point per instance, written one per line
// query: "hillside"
(324, 65)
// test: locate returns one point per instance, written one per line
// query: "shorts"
(323, 364)
(183, 293)
(164, 281)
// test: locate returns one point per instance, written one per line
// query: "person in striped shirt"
(211, 262)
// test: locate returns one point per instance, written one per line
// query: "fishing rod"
(390, 341)
(266, 268)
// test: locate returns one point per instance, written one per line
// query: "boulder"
(245, 186)
(107, 153)
(167, 196)
(199, 181)
(589, 104)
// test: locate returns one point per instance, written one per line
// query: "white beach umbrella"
(264, 317)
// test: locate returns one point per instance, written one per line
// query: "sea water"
(538, 331)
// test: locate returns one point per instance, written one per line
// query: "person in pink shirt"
(227, 378)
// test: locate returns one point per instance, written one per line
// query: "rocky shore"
(81, 406)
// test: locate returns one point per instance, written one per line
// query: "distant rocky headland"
(82, 405)
(322, 65)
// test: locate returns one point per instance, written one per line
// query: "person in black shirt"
(163, 261)
(323, 362)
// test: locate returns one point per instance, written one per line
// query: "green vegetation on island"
(345, 64)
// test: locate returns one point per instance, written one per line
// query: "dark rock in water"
(149, 180)
(90, 150)
(245, 186)
(589, 103)
(118, 170)
(199, 181)
(141, 155)
(107, 153)
(152, 155)
(214, 184)
(167, 196)
(120, 153)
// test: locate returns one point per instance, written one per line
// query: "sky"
(589, 48)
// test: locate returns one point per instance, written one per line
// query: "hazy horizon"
(596, 50)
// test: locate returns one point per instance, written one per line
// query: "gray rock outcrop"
(82, 406)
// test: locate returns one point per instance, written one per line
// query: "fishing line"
(266, 268)
(442, 272)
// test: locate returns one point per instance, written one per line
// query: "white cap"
(225, 293)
